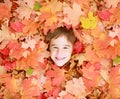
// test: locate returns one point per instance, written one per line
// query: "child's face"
(60, 50)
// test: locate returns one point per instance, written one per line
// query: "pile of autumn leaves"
(25, 69)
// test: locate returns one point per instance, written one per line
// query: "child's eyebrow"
(67, 45)
(63, 45)
(53, 45)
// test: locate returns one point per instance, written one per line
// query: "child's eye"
(54, 47)
(65, 47)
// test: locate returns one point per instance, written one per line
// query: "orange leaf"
(10, 83)
(30, 26)
(91, 75)
(16, 51)
(114, 84)
(4, 11)
(56, 74)
(91, 55)
(30, 88)
(72, 15)
(107, 47)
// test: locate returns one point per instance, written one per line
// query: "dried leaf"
(5, 36)
(72, 15)
(76, 87)
(111, 3)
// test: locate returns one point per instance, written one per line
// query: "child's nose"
(60, 52)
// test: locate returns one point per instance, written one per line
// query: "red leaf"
(104, 15)
(78, 47)
(17, 26)
(5, 51)
(9, 65)
(42, 96)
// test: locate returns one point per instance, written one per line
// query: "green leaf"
(29, 71)
(37, 6)
(117, 59)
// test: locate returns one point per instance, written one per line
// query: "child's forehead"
(64, 37)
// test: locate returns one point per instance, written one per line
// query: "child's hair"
(61, 31)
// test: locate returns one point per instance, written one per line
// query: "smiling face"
(60, 50)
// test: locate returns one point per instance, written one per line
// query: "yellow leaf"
(90, 22)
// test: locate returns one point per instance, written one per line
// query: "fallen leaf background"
(26, 71)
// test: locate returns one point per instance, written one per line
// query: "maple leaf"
(91, 75)
(105, 67)
(8, 3)
(30, 26)
(57, 74)
(30, 88)
(78, 47)
(4, 11)
(16, 51)
(91, 55)
(30, 60)
(48, 85)
(72, 15)
(107, 47)
(5, 36)
(83, 37)
(26, 3)
(76, 87)
(104, 15)
(115, 32)
(36, 6)
(10, 83)
(98, 32)
(33, 58)
(114, 83)
(80, 58)
(85, 5)
(115, 18)
(17, 26)
(111, 3)
(9, 65)
(55, 6)
(24, 12)
(90, 22)
(4, 52)
(29, 43)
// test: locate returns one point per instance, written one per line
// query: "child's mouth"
(60, 58)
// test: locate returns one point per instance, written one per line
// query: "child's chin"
(60, 64)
